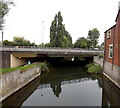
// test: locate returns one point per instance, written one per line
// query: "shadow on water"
(60, 76)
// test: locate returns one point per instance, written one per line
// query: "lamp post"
(2, 38)
(42, 35)
(34, 43)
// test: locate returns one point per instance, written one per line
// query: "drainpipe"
(113, 48)
(104, 52)
(2, 38)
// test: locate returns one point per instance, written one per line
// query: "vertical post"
(42, 33)
(2, 38)
(34, 43)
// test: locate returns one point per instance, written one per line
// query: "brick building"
(112, 51)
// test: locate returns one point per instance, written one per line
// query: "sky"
(32, 18)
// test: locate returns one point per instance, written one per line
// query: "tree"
(4, 9)
(59, 37)
(20, 41)
(93, 36)
(0, 43)
(102, 44)
(81, 43)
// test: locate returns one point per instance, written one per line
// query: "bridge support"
(16, 61)
(8, 60)
(4, 60)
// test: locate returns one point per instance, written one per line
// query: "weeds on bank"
(93, 68)
(24, 68)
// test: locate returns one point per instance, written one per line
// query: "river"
(67, 86)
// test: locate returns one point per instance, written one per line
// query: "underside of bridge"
(10, 60)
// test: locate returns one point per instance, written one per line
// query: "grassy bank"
(93, 68)
(24, 68)
(44, 67)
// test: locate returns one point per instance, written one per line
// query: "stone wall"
(98, 61)
(110, 93)
(12, 81)
(112, 71)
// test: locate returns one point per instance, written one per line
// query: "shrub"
(101, 56)
(92, 68)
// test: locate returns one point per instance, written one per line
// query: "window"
(111, 51)
(109, 33)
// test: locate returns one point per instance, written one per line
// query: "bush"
(101, 56)
(92, 68)
(44, 67)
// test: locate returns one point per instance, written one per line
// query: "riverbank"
(13, 79)
(94, 69)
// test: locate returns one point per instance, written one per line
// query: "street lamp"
(2, 38)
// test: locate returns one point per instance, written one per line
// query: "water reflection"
(110, 94)
(56, 88)
(67, 86)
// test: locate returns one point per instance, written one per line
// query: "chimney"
(119, 5)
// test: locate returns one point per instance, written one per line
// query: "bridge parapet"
(47, 49)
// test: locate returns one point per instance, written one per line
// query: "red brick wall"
(118, 22)
(108, 41)
(116, 58)
(115, 40)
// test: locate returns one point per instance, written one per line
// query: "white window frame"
(108, 34)
(110, 49)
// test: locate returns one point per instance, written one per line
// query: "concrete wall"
(15, 61)
(4, 60)
(110, 94)
(98, 61)
(0, 59)
(112, 71)
(13, 81)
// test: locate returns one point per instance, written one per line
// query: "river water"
(67, 86)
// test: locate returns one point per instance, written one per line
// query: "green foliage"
(24, 68)
(92, 68)
(100, 56)
(59, 37)
(4, 9)
(81, 58)
(81, 43)
(8, 43)
(43, 67)
(93, 36)
(18, 41)
(0, 43)
(102, 44)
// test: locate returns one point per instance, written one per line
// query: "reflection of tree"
(56, 87)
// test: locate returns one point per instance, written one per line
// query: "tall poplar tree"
(59, 37)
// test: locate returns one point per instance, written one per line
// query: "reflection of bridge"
(16, 56)
(41, 86)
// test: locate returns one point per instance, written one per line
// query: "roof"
(110, 28)
(117, 15)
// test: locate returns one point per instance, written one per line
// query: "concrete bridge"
(16, 56)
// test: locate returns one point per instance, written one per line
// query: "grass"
(92, 68)
(100, 56)
(44, 67)
(24, 68)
